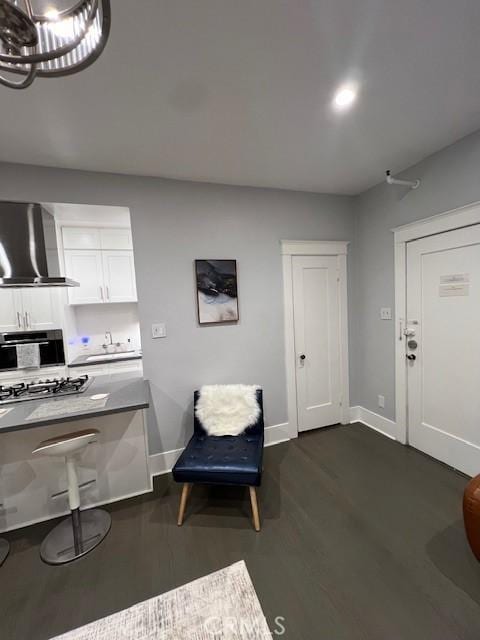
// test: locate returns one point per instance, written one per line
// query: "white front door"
(317, 340)
(443, 348)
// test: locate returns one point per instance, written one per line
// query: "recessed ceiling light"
(344, 98)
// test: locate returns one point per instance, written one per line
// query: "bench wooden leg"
(183, 502)
(253, 500)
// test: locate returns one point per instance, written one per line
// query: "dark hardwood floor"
(362, 539)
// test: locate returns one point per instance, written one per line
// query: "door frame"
(289, 249)
(465, 216)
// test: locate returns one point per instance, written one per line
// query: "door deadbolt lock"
(412, 344)
(302, 357)
(411, 356)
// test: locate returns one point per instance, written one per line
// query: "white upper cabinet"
(101, 260)
(81, 238)
(11, 310)
(92, 238)
(120, 239)
(86, 268)
(119, 276)
(41, 309)
(29, 310)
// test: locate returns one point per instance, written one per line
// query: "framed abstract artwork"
(217, 296)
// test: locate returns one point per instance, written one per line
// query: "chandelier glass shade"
(50, 38)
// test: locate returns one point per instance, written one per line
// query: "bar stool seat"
(68, 444)
(74, 537)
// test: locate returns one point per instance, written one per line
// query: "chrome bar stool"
(4, 550)
(84, 530)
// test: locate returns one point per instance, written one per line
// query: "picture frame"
(216, 291)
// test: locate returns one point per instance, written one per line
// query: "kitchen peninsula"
(113, 468)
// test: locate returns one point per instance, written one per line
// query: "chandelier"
(50, 38)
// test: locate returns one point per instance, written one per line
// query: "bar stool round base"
(59, 546)
(4, 550)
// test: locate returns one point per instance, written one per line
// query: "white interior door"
(86, 268)
(443, 311)
(119, 274)
(317, 340)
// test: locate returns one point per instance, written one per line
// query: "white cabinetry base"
(117, 463)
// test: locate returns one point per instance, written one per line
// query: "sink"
(110, 356)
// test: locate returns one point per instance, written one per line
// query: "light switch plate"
(386, 313)
(159, 330)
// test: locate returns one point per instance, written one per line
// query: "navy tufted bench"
(227, 460)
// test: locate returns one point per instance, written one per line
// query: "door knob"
(411, 356)
(302, 357)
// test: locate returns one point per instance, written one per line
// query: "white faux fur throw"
(227, 410)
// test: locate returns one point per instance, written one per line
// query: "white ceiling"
(238, 91)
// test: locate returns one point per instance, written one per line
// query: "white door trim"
(290, 248)
(313, 247)
(448, 221)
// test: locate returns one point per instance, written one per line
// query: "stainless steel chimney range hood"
(28, 248)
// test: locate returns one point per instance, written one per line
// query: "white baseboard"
(379, 423)
(161, 463)
(276, 434)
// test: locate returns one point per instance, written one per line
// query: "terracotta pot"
(471, 514)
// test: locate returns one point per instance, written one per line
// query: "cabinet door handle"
(101, 293)
(27, 320)
(108, 293)
(19, 321)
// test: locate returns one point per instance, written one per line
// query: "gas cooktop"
(53, 388)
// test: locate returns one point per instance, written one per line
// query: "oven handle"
(15, 342)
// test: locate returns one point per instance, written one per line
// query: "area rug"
(220, 606)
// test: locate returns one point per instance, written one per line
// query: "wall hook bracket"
(413, 184)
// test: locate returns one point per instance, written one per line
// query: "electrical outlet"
(386, 313)
(381, 402)
(159, 330)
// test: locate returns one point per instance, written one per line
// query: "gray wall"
(450, 179)
(173, 223)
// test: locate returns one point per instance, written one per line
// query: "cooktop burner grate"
(44, 388)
